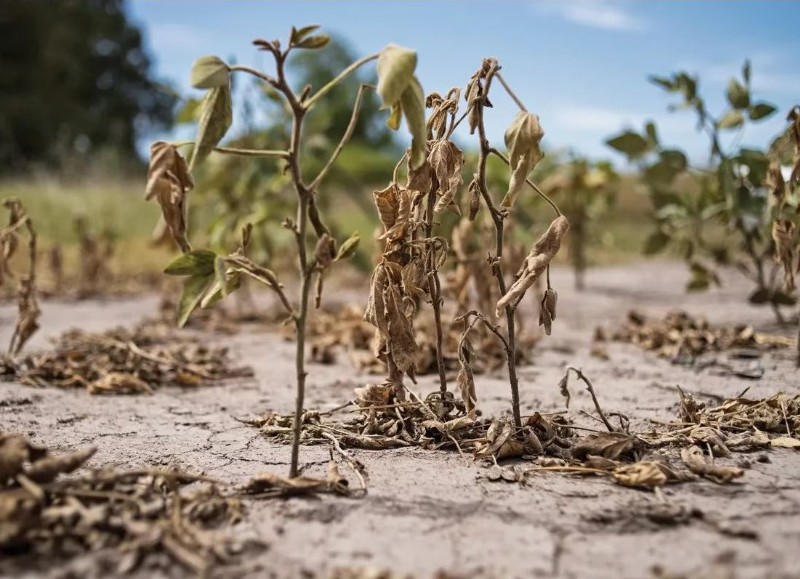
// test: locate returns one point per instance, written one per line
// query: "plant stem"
(590, 388)
(342, 75)
(306, 269)
(510, 92)
(497, 219)
(348, 133)
(435, 291)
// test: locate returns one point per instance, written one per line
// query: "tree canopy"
(74, 77)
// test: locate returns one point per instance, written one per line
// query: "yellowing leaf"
(210, 72)
(413, 103)
(396, 66)
(523, 138)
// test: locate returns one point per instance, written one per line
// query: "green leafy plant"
(585, 192)
(719, 213)
(210, 276)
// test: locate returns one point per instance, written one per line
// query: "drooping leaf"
(197, 262)
(214, 122)
(210, 72)
(396, 66)
(194, 290)
(413, 103)
(523, 140)
(168, 182)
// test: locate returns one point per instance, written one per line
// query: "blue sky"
(582, 66)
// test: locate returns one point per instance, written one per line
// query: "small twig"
(530, 183)
(342, 75)
(589, 387)
(348, 133)
(510, 92)
(356, 465)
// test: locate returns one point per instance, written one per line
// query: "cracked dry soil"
(430, 511)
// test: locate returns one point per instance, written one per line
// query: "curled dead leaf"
(168, 181)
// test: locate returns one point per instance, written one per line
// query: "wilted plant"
(27, 301)
(408, 268)
(728, 196)
(586, 192)
(785, 200)
(211, 276)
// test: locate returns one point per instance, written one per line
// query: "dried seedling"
(27, 295)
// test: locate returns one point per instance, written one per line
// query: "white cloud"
(602, 14)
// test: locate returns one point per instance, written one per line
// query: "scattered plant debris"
(683, 338)
(122, 361)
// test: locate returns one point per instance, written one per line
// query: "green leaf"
(657, 241)
(210, 72)
(631, 144)
(760, 111)
(299, 34)
(652, 133)
(675, 158)
(731, 120)
(396, 66)
(746, 70)
(189, 112)
(194, 289)
(413, 103)
(349, 247)
(665, 83)
(314, 42)
(738, 95)
(197, 262)
(214, 122)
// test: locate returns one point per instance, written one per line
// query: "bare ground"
(431, 511)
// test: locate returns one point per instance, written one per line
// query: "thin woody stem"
(530, 183)
(510, 92)
(435, 291)
(342, 75)
(497, 219)
(348, 133)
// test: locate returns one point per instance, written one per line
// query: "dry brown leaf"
(785, 442)
(447, 161)
(48, 468)
(697, 463)
(168, 181)
(540, 256)
(547, 313)
(784, 237)
(609, 445)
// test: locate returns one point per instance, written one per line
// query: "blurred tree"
(74, 76)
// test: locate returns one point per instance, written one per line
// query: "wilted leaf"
(194, 290)
(610, 445)
(447, 161)
(413, 103)
(785, 442)
(694, 459)
(523, 138)
(215, 120)
(48, 468)
(395, 68)
(168, 181)
(547, 313)
(210, 72)
(540, 256)
(640, 475)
